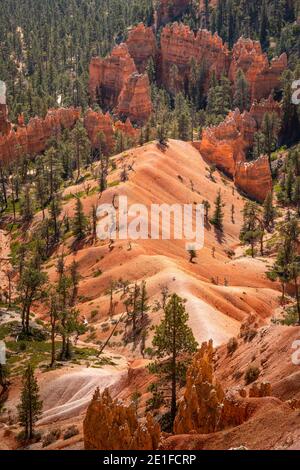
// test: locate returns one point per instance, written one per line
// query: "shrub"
(71, 431)
(51, 437)
(251, 375)
(232, 345)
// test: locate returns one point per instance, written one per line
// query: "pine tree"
(79, 221)
(173, 344)
(218, 216)
(81, 146)
(269, 212)
(270, 129)
(251, 231)
(241, 97)
(30, 406)
(263, 33)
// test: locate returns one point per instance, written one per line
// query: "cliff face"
(110, 425)
(98, 123)
(168, 10)
(32, 139)
(108, 76)
(179, 45)
(259, 109)
(254, 178)
(134, 100)
(225, 145)
(115, 84)
(141, 44)
(5, 125)
(262, 76)
(204, 407)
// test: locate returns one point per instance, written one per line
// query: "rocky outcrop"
(33, 138)
(115, 84)
(262, 76)
(179, 45)
(259, 109)
(225, 145)
(108, 76)
(260, 390)
(254, 178)
(168, 10)
(100, 130)
(127, 129)
(204, 407)
(141, 44)
(134, 100)
(5, 125)
(111, 425)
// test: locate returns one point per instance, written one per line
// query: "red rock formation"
(135, 100)
(141, 44)
(259, 109)
(111, 425)
(262, 76)
(5, 125)
(204, 407)
(260, 390)
(254, 178)
(168, 10)
(115, 83)
(109, 75)
(225, 145)
(96, 123)
(127, 128)
(179, 45)
(33, 138)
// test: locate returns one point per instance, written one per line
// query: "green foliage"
(173, 343)
(30, 406)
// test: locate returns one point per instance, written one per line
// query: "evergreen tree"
(79, 221)
(173, 344)
(269, 212)
(218, 216)
(252, 229)
(30, 406)
(241, 97)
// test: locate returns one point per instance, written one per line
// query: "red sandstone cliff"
(100, 124)
(108, 76)
(254, 178)
(141, 44)
(111, 425)
(32, 139)
(5, 125)
(179, 45)
(226, 145)
(204, 407)
(134, 100)
(115, 83)
(262, 76)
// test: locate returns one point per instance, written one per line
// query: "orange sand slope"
(178, 175)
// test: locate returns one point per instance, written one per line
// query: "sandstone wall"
(111, 425)
(141, 44)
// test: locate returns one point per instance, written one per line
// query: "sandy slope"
(220, 292)
(177, 176)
